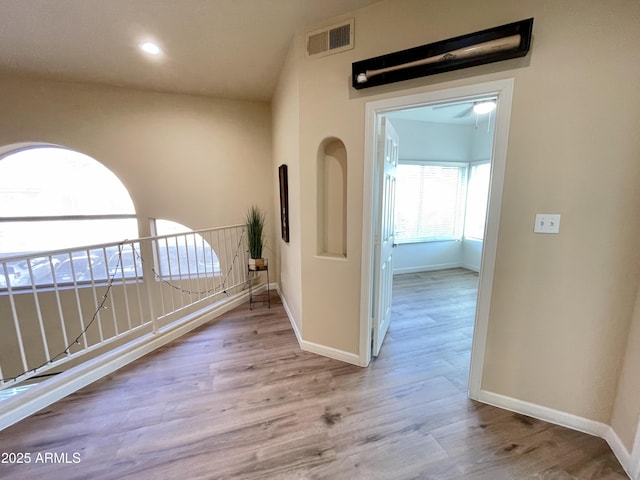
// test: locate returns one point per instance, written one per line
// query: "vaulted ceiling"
(221, 48)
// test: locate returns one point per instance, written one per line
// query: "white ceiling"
(221, 48)
(458, 113)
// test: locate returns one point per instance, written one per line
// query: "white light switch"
(547, 223)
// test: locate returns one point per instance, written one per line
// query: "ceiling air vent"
(328, 40)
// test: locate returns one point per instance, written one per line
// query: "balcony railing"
(59, 308)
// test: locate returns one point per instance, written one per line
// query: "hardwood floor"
(237, 399)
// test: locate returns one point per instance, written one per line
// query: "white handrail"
(69, 303)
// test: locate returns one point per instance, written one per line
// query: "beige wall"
(175, 153)
(626, 412)
(286, 150)
(194, 160)
(561, 305)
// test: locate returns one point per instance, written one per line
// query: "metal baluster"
(14, 314)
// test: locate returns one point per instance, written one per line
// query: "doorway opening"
(441, 213)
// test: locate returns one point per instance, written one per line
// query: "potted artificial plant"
(255, 237)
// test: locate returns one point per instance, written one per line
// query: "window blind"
(430, 201)
(477, 196)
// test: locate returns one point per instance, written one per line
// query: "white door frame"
(503, 89)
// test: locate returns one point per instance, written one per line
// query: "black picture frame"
(284, 201)
(442, 55)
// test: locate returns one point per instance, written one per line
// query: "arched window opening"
(183, 253)
(53, 198)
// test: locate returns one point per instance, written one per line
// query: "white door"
(384, 233)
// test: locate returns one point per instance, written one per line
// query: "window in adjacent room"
(477, 196)
(430, 201)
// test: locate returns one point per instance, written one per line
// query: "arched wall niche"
(332, 198)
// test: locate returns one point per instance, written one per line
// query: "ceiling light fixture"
(150, 48)
(481, 108)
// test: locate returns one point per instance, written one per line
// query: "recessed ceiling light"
(150, 48)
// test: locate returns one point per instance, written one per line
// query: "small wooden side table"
(258, 297)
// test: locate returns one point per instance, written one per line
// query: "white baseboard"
(316, 348)
(635, 455)
(331, 352)
(550, 415)
(292, 320)
(37, 397)
(619, 450)
(473, 268)
(425, 268)
(563, 419)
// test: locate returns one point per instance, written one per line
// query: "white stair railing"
(59, 308)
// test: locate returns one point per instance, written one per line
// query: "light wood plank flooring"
(238, 399)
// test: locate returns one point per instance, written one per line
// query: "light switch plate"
(547, 223)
